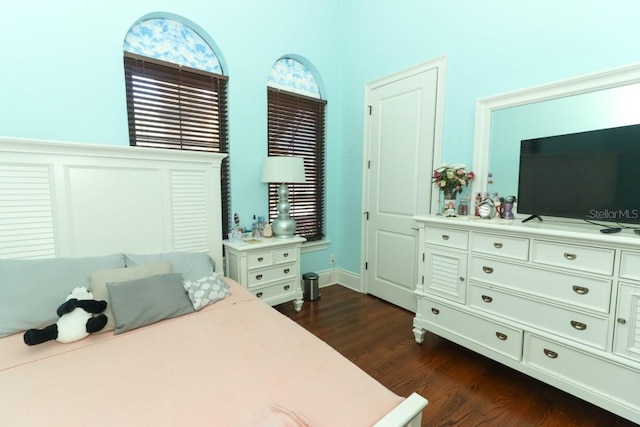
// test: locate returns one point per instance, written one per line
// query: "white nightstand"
(268, 268)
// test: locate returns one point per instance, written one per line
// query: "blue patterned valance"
(171, 41)
(293, 76)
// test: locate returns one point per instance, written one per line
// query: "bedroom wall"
(63, 76)
(491, 46)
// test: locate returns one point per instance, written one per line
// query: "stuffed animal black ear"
(79, 315)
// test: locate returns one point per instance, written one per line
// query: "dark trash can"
(310, 286)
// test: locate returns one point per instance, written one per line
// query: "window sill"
(317, 245)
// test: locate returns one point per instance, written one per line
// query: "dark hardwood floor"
(463, 388)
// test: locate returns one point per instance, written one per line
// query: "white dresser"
(269, 268)
(559, 302)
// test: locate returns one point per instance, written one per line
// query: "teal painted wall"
(492, 47)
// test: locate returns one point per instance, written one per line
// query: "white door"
(402, 123)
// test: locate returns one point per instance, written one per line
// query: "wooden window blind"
(296, 127)
(174, 107)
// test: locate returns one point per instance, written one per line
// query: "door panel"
(401, 133)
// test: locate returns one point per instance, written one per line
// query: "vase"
(449, 204)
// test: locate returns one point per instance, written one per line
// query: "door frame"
(441, 64)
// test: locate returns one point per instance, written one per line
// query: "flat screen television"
(592, 175)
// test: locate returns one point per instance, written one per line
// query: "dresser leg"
(297, 304)
(419, 334)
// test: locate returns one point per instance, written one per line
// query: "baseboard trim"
(338, 276)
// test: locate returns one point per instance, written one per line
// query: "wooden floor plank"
(463, 388)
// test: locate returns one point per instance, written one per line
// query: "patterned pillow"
(206, 290)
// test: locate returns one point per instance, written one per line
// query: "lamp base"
(283, 227)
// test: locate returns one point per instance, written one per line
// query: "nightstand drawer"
(281, 290)
(502, 246)
(575, 325)
(284, 255)
(259, 259)
(260, 277)
(581, 258)
(447, 237)
(630, 265)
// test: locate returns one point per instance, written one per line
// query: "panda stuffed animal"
(76, 320)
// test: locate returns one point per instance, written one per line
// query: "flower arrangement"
(450, 179)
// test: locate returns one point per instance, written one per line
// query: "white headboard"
(66, 199)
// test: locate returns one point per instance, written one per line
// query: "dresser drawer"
(567, 288)
(260, 277)
(447, 237)
(259, 259)
(578, 326)
(499, 338)
(281, 290)
(616, 382)
(502, 246)
(287, 254)
(630, 265)
(576, 257)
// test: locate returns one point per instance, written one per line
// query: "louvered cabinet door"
(627, 332)
(446, 273)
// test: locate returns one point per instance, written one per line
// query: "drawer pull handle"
(461, 279)
(569, 256)
(486, 298)
(286, 254)
(580, 290)
(259, 277)
(621, 320)
(259, 294)
(286, 287)
(435, 310)
(501, 336)
(550, 353)
(286, 271)
(578, 325)
(260, 259)
(487, 270)
(445, 237)
(497, 245)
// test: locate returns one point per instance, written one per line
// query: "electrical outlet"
(332, 259)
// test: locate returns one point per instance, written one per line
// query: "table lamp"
(283, 170)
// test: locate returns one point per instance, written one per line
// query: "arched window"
(296, 122)
(176, 93)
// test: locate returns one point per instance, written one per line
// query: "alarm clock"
(487, 209)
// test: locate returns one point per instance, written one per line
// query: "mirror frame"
(615, 77)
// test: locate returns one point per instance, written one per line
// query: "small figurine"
(267, 232)
(450, 208)
(507, 207)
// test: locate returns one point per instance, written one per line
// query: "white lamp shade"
(283, 169)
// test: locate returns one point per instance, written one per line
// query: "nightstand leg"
(297, 304)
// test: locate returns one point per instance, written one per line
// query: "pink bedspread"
(235, 363)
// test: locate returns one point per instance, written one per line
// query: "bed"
(235, 362)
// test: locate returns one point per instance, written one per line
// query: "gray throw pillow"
(192, 265)
(141, 302)
(206, 290)
(32, 290)
(100, 278)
